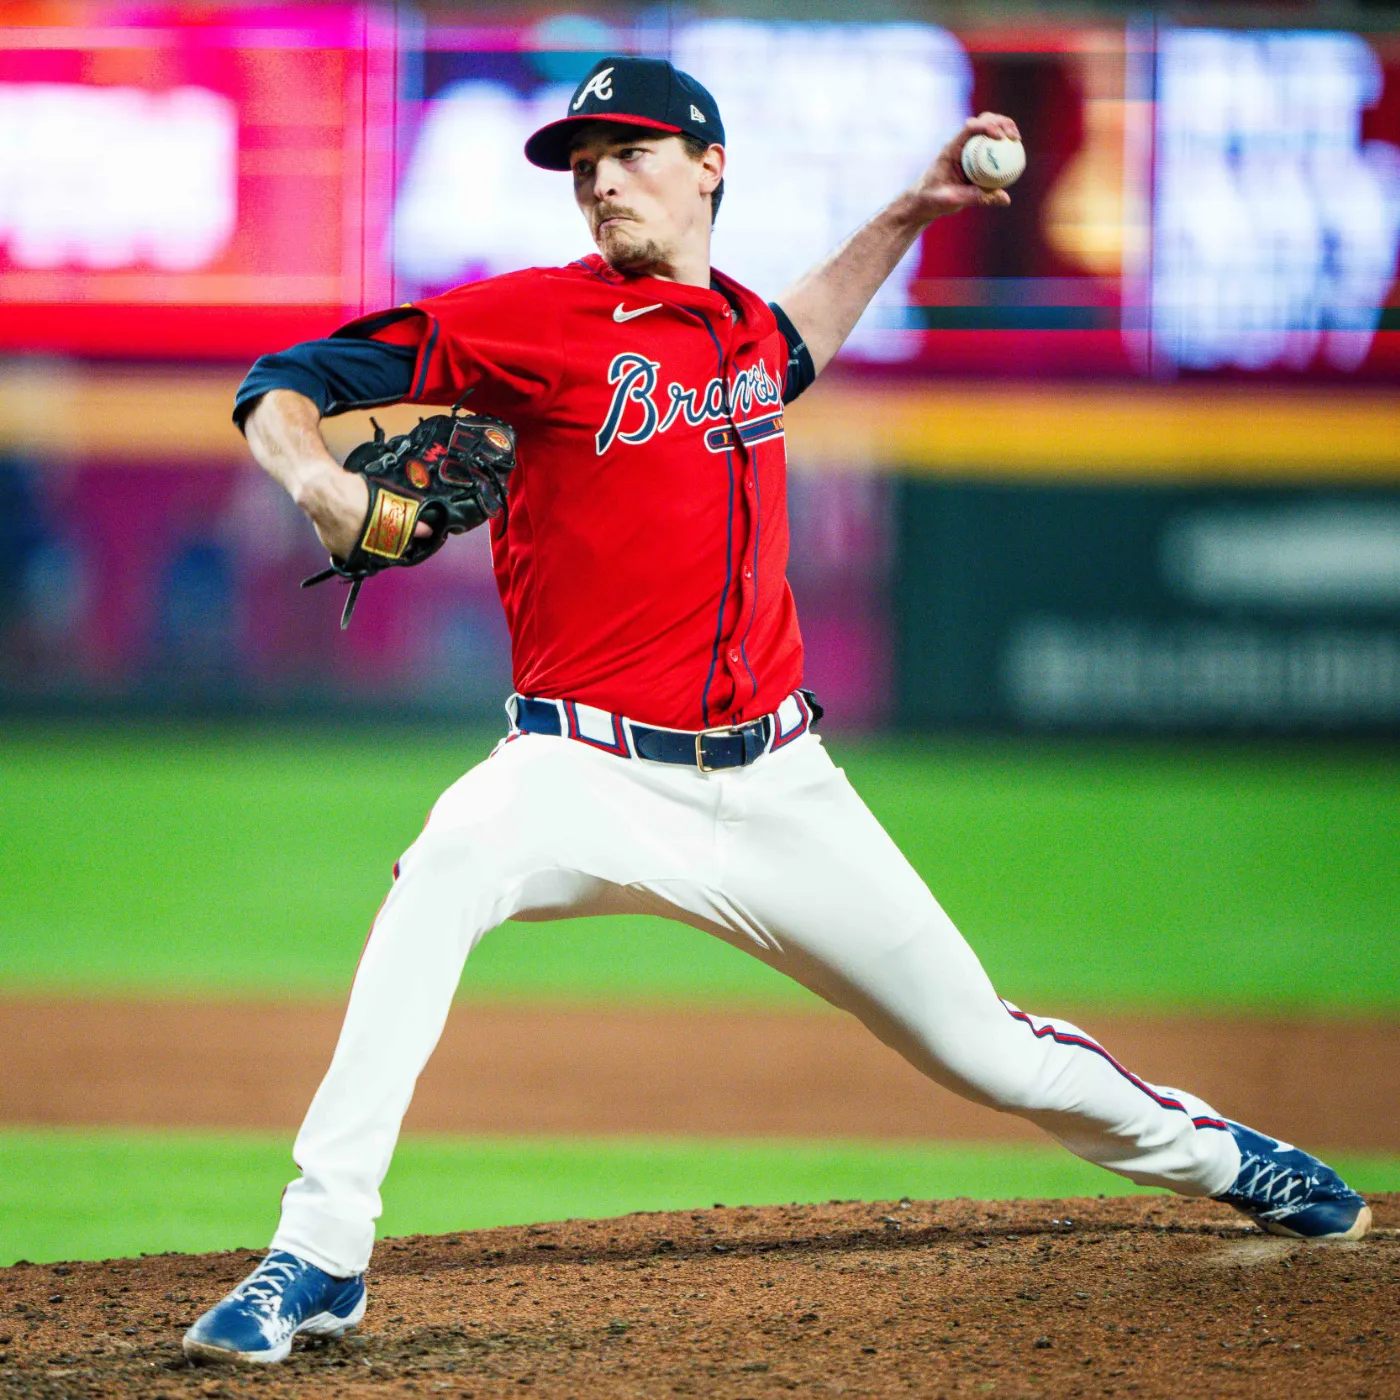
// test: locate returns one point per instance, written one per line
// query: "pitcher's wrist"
(322, 490)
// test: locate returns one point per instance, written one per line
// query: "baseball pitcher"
(617, 425)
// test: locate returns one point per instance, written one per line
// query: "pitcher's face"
(646, 199)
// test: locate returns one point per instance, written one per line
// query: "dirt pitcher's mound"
(1145, 1296)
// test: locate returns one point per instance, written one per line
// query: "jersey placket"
(743, 681)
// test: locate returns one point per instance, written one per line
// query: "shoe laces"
(1269, 1183)
(264, 1287)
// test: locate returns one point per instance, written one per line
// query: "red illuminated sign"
(191, 182)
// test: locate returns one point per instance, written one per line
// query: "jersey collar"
(722, 289)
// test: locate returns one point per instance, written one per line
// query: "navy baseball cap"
(647, 92)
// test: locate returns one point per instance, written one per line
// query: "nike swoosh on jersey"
(620, 315)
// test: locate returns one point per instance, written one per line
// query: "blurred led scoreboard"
(190, 182)
(212, 182)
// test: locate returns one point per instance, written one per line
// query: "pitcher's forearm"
(826, 302)
(284, 436)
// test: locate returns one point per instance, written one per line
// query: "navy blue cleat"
(284, 1295)
(1289, 1192)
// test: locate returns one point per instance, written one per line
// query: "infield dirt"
(1143, 1297)
(503, 1068)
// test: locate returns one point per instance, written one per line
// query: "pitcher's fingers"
(993, 124)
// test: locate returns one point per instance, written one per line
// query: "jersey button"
(748, 572)
(734, 656)
(748, 483)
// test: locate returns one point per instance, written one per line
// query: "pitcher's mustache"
(604, 212)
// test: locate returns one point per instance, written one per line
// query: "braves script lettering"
(636, 388)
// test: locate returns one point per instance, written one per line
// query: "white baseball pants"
(780, 858)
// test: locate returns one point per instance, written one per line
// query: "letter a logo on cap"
(600, 85)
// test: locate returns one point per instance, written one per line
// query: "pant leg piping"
(1084, 1043)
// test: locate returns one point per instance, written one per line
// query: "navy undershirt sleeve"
(800, 369)
(336, 375)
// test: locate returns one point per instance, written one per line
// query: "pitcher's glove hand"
(450, 474)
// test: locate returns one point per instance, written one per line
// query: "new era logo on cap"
(645, 92)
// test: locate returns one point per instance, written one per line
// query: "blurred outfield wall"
(1125, 456)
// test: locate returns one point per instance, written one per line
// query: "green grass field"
(224, 860)
(227, 861)
(96, 1195)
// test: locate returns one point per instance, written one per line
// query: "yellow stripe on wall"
(1120, 432)
(65, 412)
(61, 411)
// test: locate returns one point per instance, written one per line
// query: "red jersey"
(643, 560)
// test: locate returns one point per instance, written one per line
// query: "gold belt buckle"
(707, 733)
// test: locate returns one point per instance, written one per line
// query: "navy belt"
(731, 746)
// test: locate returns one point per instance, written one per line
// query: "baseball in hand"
(993, 162)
